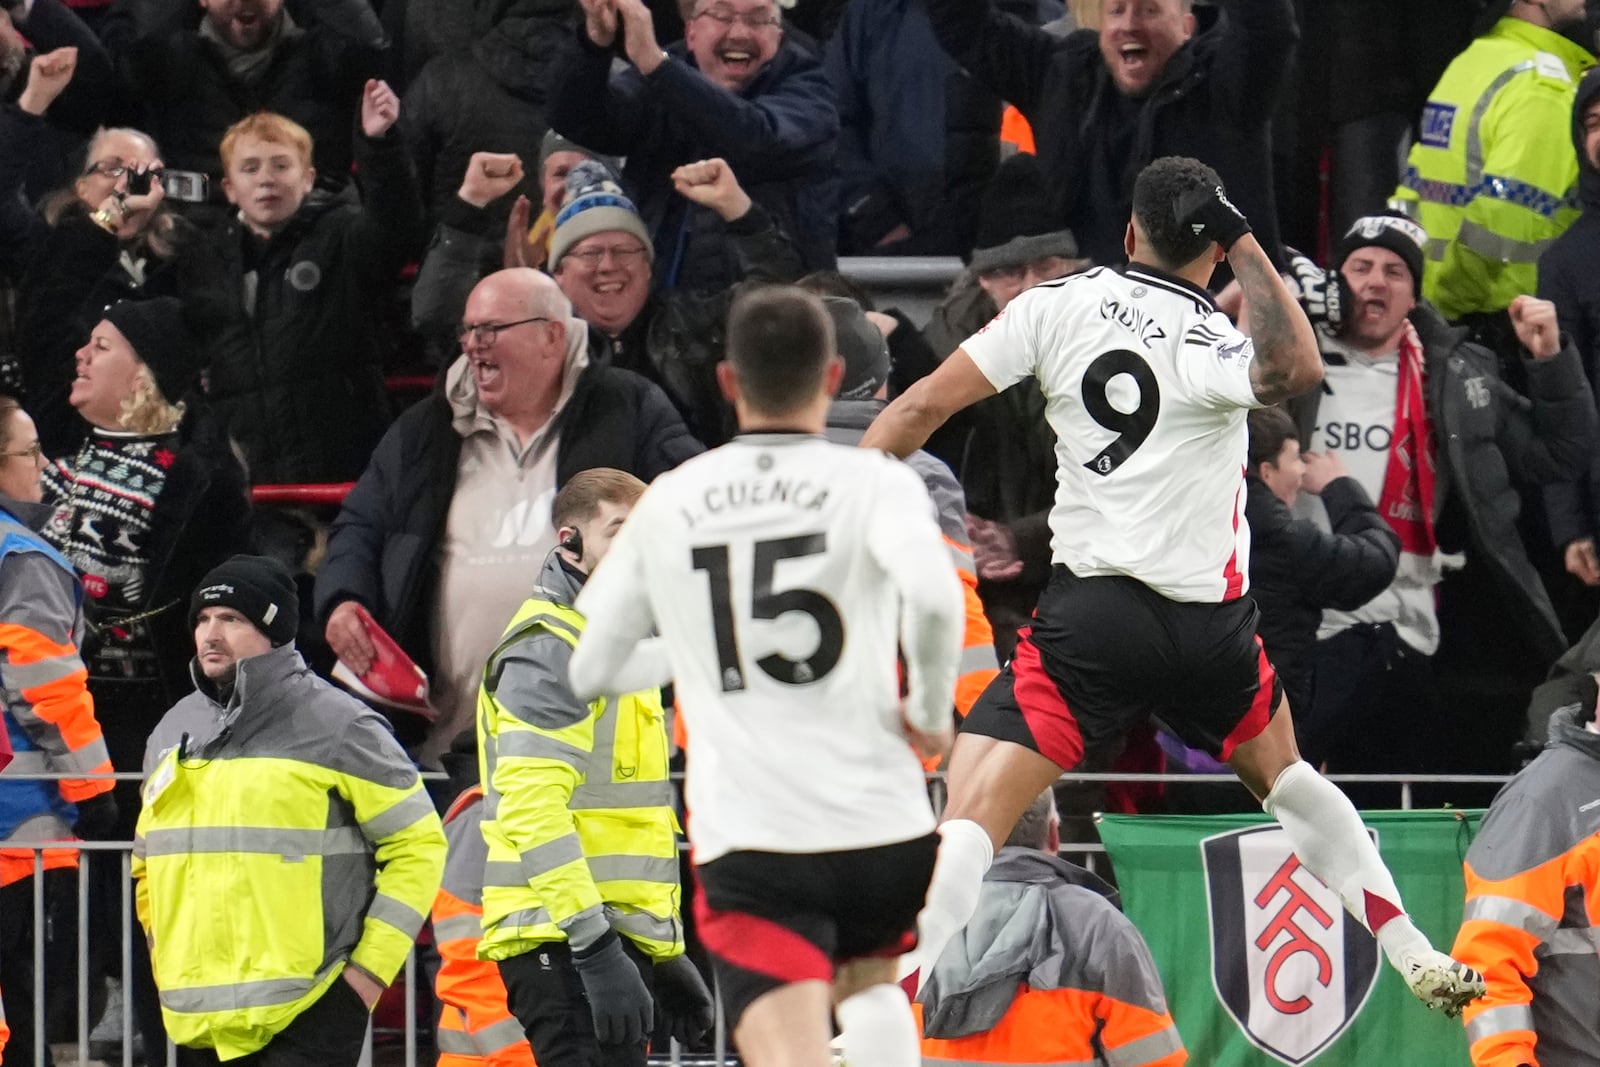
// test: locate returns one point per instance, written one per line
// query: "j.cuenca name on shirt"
(761, 491)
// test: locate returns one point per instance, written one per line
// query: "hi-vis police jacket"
(284, 836)
(1531, 925)
(48, 714)
(578, 813)
(1490, 178)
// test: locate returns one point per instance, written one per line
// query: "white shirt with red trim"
(1146, 386)
(784, 573)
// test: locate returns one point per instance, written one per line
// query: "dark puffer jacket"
(299, 381)
(190, 97)
(1213, 102)
(486, 97)
(779, 135)
(919, 139)
(1491, 440)
(383, 547)
(1568, 278)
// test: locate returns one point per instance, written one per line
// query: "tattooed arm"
(1287, 362)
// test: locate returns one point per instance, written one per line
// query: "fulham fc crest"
(1288, 963)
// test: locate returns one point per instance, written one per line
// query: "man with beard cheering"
(286, 852)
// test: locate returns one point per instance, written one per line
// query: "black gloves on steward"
(683, 1002)
(97, 816)
(623, 1011)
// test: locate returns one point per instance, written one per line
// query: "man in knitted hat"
(1003, 452)
(273, 795)
(601, 257)
(1422, 422)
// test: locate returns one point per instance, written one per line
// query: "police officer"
(1490, 178)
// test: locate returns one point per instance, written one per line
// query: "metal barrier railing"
(902, 272)
(409, 1039)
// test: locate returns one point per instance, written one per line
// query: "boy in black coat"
(1296, 567)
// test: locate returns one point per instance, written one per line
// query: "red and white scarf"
(1407, 499)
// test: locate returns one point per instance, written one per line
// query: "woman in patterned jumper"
(150, 502)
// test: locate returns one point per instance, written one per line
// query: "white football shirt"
(784, 572)
(1146, 385)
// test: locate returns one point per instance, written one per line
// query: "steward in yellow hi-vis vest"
(581, 889)
(1490, 177)
(286, 852)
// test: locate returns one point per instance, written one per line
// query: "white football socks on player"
(965, 853)
(1333, 844)
(877, 1029)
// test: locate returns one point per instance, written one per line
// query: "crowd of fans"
(224, 223)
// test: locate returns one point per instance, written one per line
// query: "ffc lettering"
(1298, 940)
(1290, 966)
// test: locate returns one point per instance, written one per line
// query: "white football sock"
(965, 853)
(1333, 845)
(877, 1029)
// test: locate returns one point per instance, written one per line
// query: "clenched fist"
(1536, 326)
(489, 176)
(48, 74)
(710, 183)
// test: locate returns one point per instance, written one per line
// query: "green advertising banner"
(1262, 966)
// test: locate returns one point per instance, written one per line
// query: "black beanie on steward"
(257, 587)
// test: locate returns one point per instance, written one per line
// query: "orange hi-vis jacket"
(48, 713)
(1040, 916)
(476, 1029)
(1531, 924)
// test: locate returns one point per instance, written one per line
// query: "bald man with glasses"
(443, 536)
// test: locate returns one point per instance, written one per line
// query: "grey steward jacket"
(1049, 924)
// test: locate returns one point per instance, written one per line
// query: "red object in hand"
(393, 680)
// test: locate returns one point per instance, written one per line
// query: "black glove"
(1324, 295)
(97, 816)
(1212, 215)
(683, 1000)
(623, 1013)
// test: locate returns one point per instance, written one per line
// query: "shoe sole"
(1445, 989)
